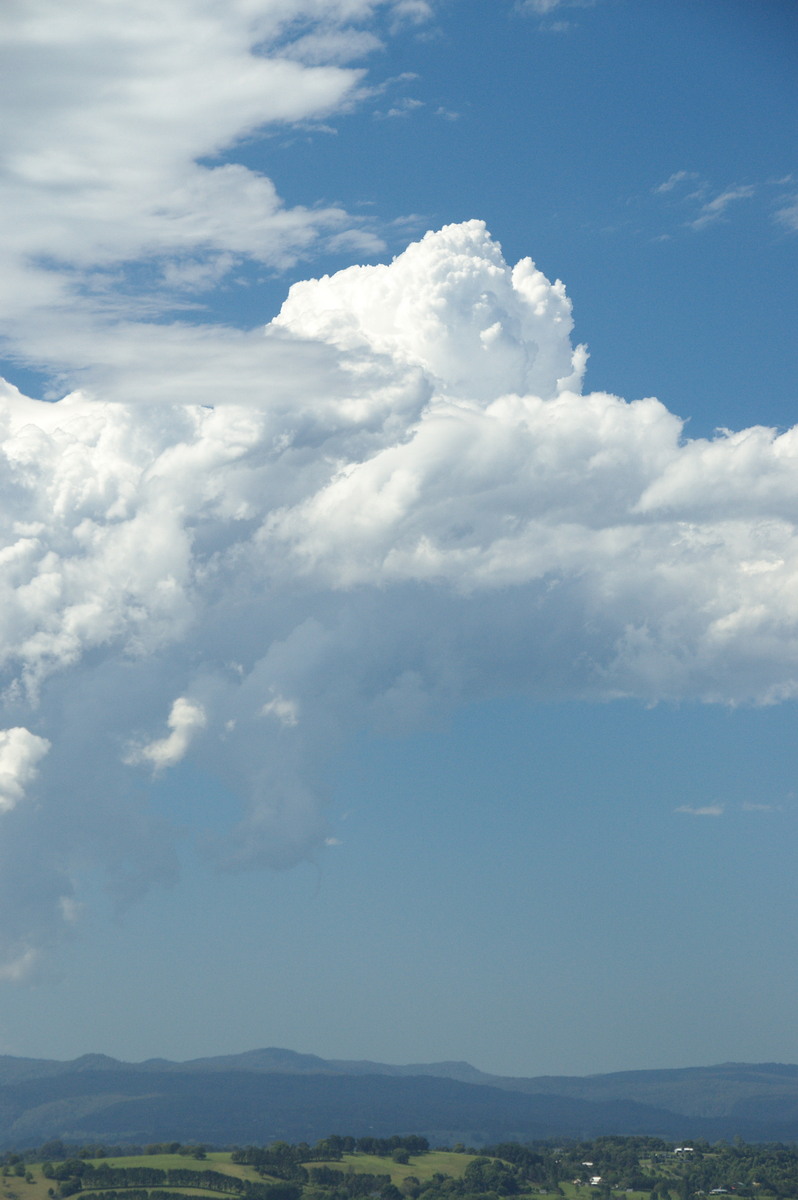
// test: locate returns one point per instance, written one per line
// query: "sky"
(399, 565)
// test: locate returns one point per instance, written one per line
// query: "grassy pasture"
(423, 1166)
(215, 1160)
(585, 1192)
(14, 1188)
(164, 1162)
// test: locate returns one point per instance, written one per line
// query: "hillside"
(267, 1095)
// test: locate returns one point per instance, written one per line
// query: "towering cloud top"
(450, 306)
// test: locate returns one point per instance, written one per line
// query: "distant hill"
(761, 1091)
(270, 1094)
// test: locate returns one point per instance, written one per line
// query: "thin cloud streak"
(715, 209)
(673, 181)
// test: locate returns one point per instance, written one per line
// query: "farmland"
(404, 1168)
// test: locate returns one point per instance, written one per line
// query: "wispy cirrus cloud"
(707, 204)
(542, 8)
(787, 213)
(719, 810)
(547, 10)
(673, 181)
(697, 204)
(715, 209)
(402, 108)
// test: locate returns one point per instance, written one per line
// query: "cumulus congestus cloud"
(239, 587)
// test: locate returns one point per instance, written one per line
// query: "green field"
(422, 1166)
(585, 1191)
(14, 1188)
(215, 1160)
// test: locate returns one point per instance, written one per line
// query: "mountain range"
(265, 1095)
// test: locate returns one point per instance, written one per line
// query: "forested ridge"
(263, 1096)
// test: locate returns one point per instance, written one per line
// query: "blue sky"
(364, 710)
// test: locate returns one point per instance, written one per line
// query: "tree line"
(75, 1175)
(285, 1160)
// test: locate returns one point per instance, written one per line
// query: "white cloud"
(450, 307)
(284, 711)
(708, 810)
(327, 45)
(413, 12)
(419, 508)
(393, 500)
(185, 721)
(20, 753)
(113, 208)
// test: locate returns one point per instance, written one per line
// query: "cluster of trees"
(483, 1179)
(142, 1194)
(387, 1147)
(285, 1160)
(280, 1160)
(278, 1192)
(350, 1185)
(56, 1149)
(652, 1165)
(746, 1170)
(622, 1164)
(14, 1164)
